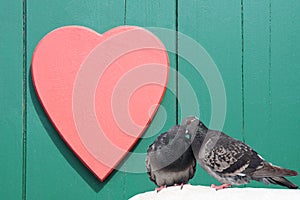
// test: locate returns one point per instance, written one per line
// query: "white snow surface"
(207, 193)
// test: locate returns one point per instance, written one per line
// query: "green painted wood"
(285, 85)
(254, 44)
(273, 65)
(53, 171)
(216, 25)
(257, 66)
(11, 62)
(152, 14)
(271, 81)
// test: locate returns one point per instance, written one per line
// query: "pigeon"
(231, 161)
(170, 160)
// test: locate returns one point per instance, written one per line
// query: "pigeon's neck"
(199, 136)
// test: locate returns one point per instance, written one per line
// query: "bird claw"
(160, 188)
(181, 185)
(220, 187)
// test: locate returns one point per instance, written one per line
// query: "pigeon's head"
(174, 130)
(173, 137)
(179, 132)
(167, 138)
(190, 120)
(194, 125)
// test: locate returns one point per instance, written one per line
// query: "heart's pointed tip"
(100, 175)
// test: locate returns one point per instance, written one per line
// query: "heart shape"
(100, 91)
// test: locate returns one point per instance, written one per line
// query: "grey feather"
(231, 161)
(170, 158)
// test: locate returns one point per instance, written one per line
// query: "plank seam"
(24, 99)
(176, 61)
(242, 66)
(270, 59)
(125, 9)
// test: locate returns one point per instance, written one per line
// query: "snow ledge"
(207, 193)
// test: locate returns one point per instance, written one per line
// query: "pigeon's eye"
(164, 140)
(188, 136)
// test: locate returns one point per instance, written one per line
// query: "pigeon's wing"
(231, 157)
(161, 141)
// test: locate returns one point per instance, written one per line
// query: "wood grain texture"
(257, 67)
(271, 67)
(11, 90)
(285, 85)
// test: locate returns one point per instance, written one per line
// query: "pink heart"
(100, 91)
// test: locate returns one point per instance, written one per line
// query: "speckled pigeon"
(231, 161)
(170, 160)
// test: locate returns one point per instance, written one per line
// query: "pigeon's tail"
(269, 170)
(275, 175)
(280, 181)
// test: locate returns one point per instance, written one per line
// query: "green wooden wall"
(255, 44)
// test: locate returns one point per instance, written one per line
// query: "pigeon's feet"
(220, 187)
(160, 188)
(181, 185)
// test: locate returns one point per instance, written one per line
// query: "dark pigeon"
(231, 161)
(170, 160)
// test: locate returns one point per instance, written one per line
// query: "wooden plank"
(256, 75)
(11, 59)
(53, 171)
(160, 14)
(216, 25)
(284, 137)
(271, 71)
